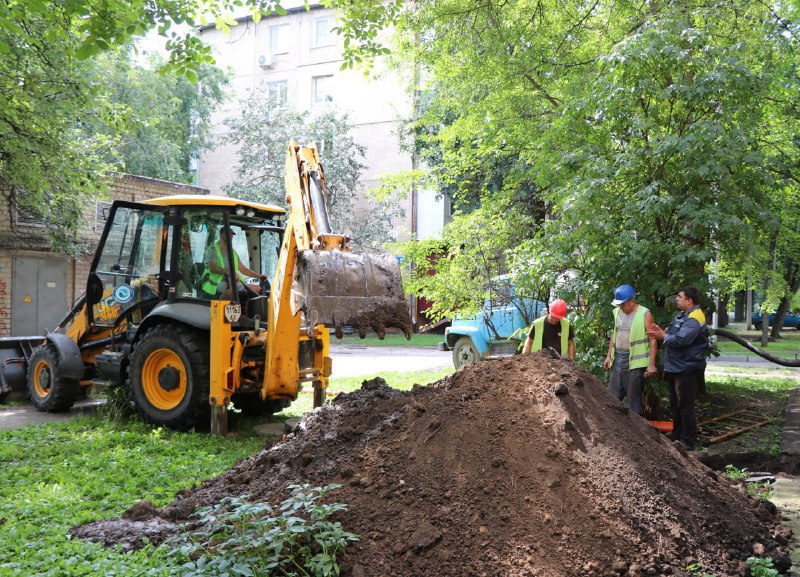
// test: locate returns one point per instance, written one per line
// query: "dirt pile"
(519, 466)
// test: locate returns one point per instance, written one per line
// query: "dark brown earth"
(511, 467)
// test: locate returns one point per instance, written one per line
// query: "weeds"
(242, 539)
(762, 567)
(761, 490)
(697, 569)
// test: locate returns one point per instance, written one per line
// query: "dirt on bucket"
(511, 467)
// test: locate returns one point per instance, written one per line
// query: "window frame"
(279, 49)
(284, 100)
(330, 41)
(327, 98)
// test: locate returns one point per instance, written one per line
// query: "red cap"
(558, 309)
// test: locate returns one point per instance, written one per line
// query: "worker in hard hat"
(552, 331)
(631, 353)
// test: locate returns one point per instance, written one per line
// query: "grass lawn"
(787, 346)
(57, 475)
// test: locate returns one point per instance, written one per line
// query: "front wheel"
(757, 326)
(169, 377)
(465, 353)
(50, 391)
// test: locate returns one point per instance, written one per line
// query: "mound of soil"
(518, 466)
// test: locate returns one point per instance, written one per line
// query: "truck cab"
(495, 331)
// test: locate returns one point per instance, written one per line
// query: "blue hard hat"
(623, 293)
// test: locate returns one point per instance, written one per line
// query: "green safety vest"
(640, 345)
(213, 279)
(538, 324)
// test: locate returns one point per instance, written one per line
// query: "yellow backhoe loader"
(168, 313)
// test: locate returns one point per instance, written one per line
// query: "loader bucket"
(360, 290)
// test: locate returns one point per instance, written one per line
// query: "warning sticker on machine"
(232, 312)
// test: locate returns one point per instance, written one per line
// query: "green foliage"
(261, 132)
(697, 569)
(242, 539)
(762, 567)
(758, 490)
(55, 476)
(736, 474)
(649, 139)
(168, 116)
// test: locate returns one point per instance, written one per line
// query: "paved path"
(357, 360)
(20, 416)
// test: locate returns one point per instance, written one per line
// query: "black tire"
(169, 377)
(465, 353)
(757, 326)
(50, 391)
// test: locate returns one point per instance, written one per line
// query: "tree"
(169, 117)
(642, 126)
(49, 92)
(261, 132)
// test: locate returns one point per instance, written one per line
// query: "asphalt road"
(355, 360)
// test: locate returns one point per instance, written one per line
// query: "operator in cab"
(215, 283)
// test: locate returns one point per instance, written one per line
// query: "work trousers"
(626, 383)
(682, 394)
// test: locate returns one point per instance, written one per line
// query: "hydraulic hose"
(750, 347)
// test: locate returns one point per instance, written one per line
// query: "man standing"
(557, 333)
(685, 344)
(631, 353)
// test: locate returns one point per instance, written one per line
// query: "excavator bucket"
(348, 289)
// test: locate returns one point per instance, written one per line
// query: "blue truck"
(496, 330)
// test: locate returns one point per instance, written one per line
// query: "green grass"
(765, 440)
(58, 475)
(391, 340)
(787, 346)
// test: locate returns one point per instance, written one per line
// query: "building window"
(101, 211)
(279, 39)
(277, 93)
(322, 35)
(323, 89)
(24, 215)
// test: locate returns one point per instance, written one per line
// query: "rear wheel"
(50, 391)
(465, 353)
(169, 377)
(757, 326)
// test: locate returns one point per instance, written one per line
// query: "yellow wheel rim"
(164, 379)
(42, 379)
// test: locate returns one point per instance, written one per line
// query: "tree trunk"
(722, 313)
(739, 306)
(777, 325)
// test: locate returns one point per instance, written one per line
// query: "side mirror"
(94, 290)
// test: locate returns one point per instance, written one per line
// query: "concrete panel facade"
(375, 104)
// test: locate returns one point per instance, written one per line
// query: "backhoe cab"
(170, 313)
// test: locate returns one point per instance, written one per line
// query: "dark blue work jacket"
(685, 342)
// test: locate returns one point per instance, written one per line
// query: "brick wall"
(20, 237)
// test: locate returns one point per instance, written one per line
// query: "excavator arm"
(320, 277)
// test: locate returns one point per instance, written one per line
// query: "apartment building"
(297, 59)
